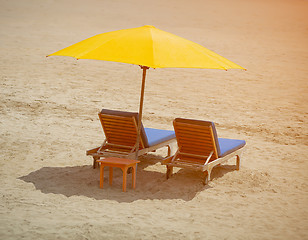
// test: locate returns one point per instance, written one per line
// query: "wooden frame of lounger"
(121, 134)
(197, 150)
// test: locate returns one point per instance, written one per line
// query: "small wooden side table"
(122, 163)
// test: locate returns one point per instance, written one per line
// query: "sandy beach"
(49, 107)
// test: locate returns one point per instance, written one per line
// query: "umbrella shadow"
(84, 181)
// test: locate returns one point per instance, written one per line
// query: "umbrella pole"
(144, 70)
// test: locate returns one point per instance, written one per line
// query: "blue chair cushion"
(156, 136)
(228, 146)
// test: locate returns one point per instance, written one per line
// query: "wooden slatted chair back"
(120, 132)
(195, 140)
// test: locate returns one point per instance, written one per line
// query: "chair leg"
(207, 177)
(169, 172)
(238, 162)
(169, 151)
(94, 162)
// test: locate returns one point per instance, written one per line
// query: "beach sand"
(49, 119)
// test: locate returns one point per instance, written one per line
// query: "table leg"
(101, 181)
(110, 175)
(134, 177)
(124, 178)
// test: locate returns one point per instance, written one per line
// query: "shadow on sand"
(150, 184)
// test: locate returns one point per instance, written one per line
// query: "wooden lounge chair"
(199, 148)
(120, 130)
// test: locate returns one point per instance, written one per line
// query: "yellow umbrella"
(147, 46)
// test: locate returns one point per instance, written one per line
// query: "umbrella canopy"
(147, 46)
